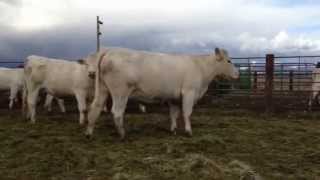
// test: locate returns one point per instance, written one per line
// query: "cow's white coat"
(59, 78)
(181, 80)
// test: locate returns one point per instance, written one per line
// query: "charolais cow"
(58, 78)
(315, 88)
(12, 79)
(180, 80)
(91, 61)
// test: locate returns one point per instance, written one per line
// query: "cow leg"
(312, 98)
(32, 102)
(61, 105)
(187, 105)
(48, 103)
(118, 108)
(24, 102)
(95, 110)
(13, 96)
(82, 106)
(174, 114)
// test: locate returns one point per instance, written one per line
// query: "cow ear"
(218, 54)
(217, 50)
(81, 61)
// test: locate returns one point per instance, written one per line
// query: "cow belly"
(5, 84)
(59, 92)
(4, 87)
(155, 95)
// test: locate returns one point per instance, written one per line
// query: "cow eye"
(229, 61)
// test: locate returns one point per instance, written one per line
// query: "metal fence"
(271, 83)
(268, 83)
(11, 63)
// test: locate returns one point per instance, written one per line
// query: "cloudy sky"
(66, 28)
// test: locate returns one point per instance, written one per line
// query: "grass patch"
(226, 145)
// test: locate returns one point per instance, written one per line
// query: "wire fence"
(266, 83)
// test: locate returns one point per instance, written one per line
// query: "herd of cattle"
(123, 74)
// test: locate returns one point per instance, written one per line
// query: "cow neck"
(208, 65)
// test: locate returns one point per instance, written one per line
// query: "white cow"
(315, 88)
(181, 80)
(59, 78)
(12, 79)
(91, 61)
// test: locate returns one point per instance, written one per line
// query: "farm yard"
(227, 144)
(160, 90)
(233, 136)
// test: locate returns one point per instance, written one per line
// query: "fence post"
(255, 80)
(269, 82)
(281, 80)
(291, 80)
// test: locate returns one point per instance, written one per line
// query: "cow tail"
(24, 98)
(98, 80)
(26, 73)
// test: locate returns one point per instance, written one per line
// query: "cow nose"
(92, 75)
(237, 75)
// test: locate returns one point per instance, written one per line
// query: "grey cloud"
(75, 42)
(188, 32)
(60, 43)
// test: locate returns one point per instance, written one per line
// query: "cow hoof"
(123, 140)
(174, 132)
(189, 133)
(122, 137)
(88, 136)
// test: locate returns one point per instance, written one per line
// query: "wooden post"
(299, 74)
(269, 82)
(255, 80)
(281, 78)
(291, 80)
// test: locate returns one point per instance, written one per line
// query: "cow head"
(226, 67)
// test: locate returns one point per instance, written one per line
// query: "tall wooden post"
(269, 82)
(255, 80)
(291, 80)
(281, 78)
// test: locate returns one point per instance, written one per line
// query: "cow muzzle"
(92, 75)
(236, 75)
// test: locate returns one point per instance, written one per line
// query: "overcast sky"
(66, 28)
